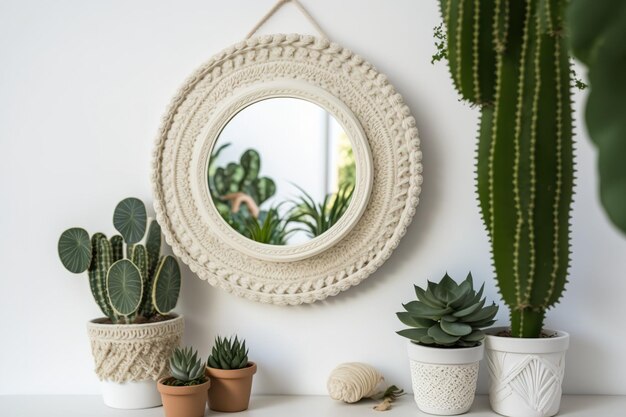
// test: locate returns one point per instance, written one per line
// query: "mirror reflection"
(282, 171)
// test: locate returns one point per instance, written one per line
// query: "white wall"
(83, 85)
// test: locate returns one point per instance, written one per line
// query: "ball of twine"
(350, 382)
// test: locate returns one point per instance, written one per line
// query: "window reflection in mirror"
(282, 171)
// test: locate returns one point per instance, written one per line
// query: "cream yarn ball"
(352, 381)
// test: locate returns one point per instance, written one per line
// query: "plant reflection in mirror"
(268, 228)
(238, 191)
(238, 194)
(317, 218)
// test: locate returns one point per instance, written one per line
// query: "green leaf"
(166, 287)
(129, 218)
(427, 340)
(445, 288)
(124, 287)
(478, 295)
(456, 329)
(483, 314)
(447, 283)
(449, 318)
(413, 334)
(428, 298)
(482, 324)
(418, 322)
(440, 336)
(213, 363)
(467, 311)
(421, 309)
(75, 250)
(474, 336)
(459, 294)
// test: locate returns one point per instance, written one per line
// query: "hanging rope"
(280, 4)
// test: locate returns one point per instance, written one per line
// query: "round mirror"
(269, 95)
(282, 171)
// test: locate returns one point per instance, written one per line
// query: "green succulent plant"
(228, 353)
(317, 218)
(186, 368)
(141, 285)
(511, 59)
(447, 314)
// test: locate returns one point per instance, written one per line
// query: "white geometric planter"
(526, 374)
(444, 380)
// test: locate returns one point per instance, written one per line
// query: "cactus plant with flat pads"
(143, 284)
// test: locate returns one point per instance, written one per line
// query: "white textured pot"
(130, 395)
(130, 358)
(526, 374)
(444, 379)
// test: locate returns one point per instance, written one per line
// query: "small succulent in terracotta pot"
(184, 394)
(231, 375)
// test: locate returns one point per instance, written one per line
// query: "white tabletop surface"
(285, 406)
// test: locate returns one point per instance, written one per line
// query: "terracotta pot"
(230, 388)
(183, 401)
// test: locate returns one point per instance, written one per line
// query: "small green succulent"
(228, 354)
(186, 368)
(447, 314)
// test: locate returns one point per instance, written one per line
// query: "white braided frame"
(392, 138)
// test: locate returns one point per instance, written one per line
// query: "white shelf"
(285, 406)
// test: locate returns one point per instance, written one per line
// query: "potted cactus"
(184, 394)
(444, 347)
(136, 288)
(511, 59)
(231, 375)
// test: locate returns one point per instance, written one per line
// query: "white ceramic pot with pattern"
(526, 374)
(444, 379)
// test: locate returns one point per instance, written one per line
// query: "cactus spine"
(510, 58)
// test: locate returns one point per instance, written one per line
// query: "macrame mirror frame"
(387, 153)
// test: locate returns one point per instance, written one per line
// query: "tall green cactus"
(598, 31)
(116, 290)
(510, 58)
